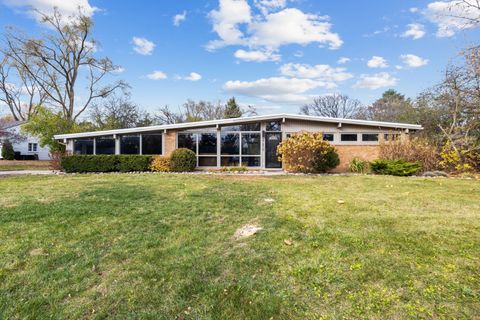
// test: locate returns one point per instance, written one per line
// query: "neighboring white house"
(26, 148)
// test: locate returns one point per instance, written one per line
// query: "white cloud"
(225, 21)
(328, 75)
(413, 10)
(256, 55)
(413, 61)
(193, 76)
(157, 75)
(375, 81)
(119, 70)
(234, 24)
(343, 60)
(298, 54)
(415, 31)
(446, 15)
(179, 18)
(292, 26)
(266, 6)
(275, 89)
(66, 8)
(143, 46)
(377, 62)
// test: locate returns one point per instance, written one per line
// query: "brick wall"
(170, 142)
(347, 153)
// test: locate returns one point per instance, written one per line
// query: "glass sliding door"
(272, 140)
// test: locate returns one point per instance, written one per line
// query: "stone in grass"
(269, 200)
(246, 231)
(340, 202)
(435, 174)
(37, 252)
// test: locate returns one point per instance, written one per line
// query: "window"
(328, 137)
(230, 161)
(391, 136)
(251, 149)
(32, 147)
(349, 137)
(188, 141)
(130, 144)
(207, 161)
(84, 146)
(243, 127)
(207, 144)
(230, 144)
(370, 137)
(274, 126)
(151, 143)
(105, 145)
(251, 144)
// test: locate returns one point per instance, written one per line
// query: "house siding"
(170, 142)
(348, 153)
(43, 153)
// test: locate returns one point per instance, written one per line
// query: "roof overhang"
(211, 123)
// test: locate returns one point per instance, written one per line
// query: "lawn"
(14, 165)
(150, 246)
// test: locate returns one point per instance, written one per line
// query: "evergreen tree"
(7, 150)
(232, 110)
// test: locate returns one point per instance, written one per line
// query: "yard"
(160, 247)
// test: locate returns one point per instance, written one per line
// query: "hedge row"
(105, 163)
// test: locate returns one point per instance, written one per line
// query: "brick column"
(170, 142)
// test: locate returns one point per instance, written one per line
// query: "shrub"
(56, 158)
(183, 160)
(307, 153)
(105, 163)
(411, 150)
(325, 158)
(160, 164)
(358, 166)
(7, 150)
(395, 167)
(458, 160)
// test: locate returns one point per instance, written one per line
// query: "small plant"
(358, 166)
(395, 167)
(183, 160)
(160, 164)
(308, 153)
(234, 169)
(7, 150)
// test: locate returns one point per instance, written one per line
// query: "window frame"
(349, 141)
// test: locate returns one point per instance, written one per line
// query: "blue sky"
(273, 54)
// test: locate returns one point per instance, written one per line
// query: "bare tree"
(192, 111)
(18, 90)
(56, 62)
(6, 134)
(467, 10)
(333, 106)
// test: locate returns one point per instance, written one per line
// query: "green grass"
(20, 165)
(160, 247)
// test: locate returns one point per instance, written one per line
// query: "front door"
(272, 140)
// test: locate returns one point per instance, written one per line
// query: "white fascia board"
(238, 120)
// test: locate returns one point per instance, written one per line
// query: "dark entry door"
(272, 140)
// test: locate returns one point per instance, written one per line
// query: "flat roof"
(208, 123)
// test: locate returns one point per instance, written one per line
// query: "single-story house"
(250, 141)
(26, 147)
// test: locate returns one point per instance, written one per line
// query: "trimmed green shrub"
(325, 159)
(105, 163)
(7, 150)
(183, 160)
(395, 167)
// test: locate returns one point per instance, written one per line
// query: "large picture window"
(105, 145)
(188, 141)
(207, 144)
(230, 143)
(151, 143)
(130, 144)
(83, 146)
